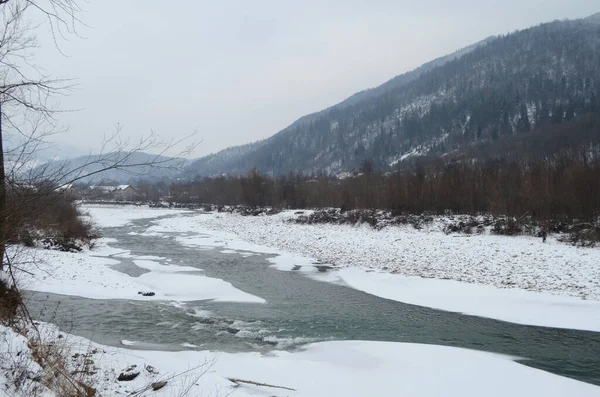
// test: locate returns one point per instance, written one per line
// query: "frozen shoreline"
(391, 263)
(342, 369)
(515, 279)
(511, 305)
(505, 262)
(90, 273)
(337, 368)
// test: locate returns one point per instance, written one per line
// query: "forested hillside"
(514, 176)
(497, 89)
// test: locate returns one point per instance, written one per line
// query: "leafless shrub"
(10, 301)
(374, 218)
(507, 227)
(584, 237)
(50, 219)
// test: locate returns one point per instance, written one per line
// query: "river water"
(299, 310)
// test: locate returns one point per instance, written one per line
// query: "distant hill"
(500, 87)
(132, 166)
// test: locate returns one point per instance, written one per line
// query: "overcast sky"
(239, 71)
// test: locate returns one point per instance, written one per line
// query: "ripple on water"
(300, 310)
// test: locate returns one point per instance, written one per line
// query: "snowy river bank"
(217, 288)
(517, 279)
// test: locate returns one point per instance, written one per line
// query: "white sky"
(238, 71)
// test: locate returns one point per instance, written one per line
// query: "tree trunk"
(2, 198)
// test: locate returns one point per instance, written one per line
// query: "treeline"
(566, 184)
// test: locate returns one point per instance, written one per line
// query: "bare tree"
(28, 108)
(23, 89)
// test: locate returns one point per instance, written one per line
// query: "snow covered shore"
(505, 262)
(516, 279)
(335, 368)
(343, 369)
(90, 274)
(512, 305)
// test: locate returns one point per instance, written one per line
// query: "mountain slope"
(394, 83)
(548, 74)
(120, 167)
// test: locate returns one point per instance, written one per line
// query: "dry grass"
(66, 374)
(35, 362)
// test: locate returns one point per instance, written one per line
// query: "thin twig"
(238, 381)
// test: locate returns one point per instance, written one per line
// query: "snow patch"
(117, 215)
(515, 306)
(491, 276)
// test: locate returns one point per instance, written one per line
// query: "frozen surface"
(90, 274)
(118, 215)
(505, 262)
(18, 367)
(515, 279)
(517, 306)
(357, 368)
(328, 369)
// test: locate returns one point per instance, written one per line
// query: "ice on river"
(512, 305)
(90, 274)
(299, 247)
(118, 215)
(339, 368)
(356, 368)
(328, 369)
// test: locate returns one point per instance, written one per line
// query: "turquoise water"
(299, 310)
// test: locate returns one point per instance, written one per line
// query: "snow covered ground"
(358, 368)
(512, 305)
(489, 276)
(90, 274)
(336, 368)
(118, 215)
(17, 365)
(516, 279)
(506, 262)
(344, 369)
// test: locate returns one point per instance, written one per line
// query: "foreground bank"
(343, 369)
